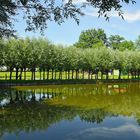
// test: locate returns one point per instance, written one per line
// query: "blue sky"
(68, 32)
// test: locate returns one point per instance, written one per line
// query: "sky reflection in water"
(74, 112)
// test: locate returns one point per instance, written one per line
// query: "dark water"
(73, 112)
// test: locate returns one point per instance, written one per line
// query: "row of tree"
(39, 54)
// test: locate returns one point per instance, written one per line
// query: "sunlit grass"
(39, 76)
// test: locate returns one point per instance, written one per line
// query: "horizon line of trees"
(22, 55)
(96, 38)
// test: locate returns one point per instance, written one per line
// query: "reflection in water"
(91, 111)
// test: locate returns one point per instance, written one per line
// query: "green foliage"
(119, 43)
(37, 13)
(92, 38)
(137, 43)
(39, 54)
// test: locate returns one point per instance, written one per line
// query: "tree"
(11, 60)
(35, 56)
(38, 13)
(137, 43)
(92, 38)
(119, 62)
(119, 43)
(126, 45)
(115, 41)
(2, 47)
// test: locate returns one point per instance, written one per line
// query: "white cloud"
(128, 16)
(135, 16)
(108, 132)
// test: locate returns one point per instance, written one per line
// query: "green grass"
(6, 75)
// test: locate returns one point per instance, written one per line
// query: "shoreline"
(4, 83)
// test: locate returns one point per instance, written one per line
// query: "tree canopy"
(97, 38)
(137, 43)
(92, 38)
(37, 13)
(120, 43)
(20, 56)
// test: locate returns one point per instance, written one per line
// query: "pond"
(70, 112)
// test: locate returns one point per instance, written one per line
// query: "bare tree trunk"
(120, 71)
(88, 74)
(83, 72)
(101, 74)
(59, 75)
(138, 74)
(21, 74)
(107, 76)
(76, 74)
(68, 74)
(11, 74)
(34, 74)
(43, 74)
(17, 73)
(24, 73)
(72, 74)
(40, 72)
(52, 74)
(47, 74)
(55, 72)
(128, 74)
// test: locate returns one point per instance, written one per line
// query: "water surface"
(71, 112)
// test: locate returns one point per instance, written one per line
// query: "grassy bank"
(62, 82)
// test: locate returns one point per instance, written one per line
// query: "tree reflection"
(38, 108)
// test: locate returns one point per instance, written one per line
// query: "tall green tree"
(34, 57)
(115, 41)
(119, 43)
(137, 43)
(2, 47)
(91, 38)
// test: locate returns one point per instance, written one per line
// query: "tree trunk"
(68, 74)
(135, 74)
(11, 74)
(138, 74)
(83, 74)
(76, 74)
(97, 75)
(101, 74)
(88, 74)
(120, 74)
(107, 75)
(24, 73)
(92, 75)
(113, 74)
(47, 74)
(21, 74)
(55, 74)
(40, 74)
(72, 74)
(17, 73)
(52, 74)
(43, 74)
(34, 74)
(59, 75)
(128, 74)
